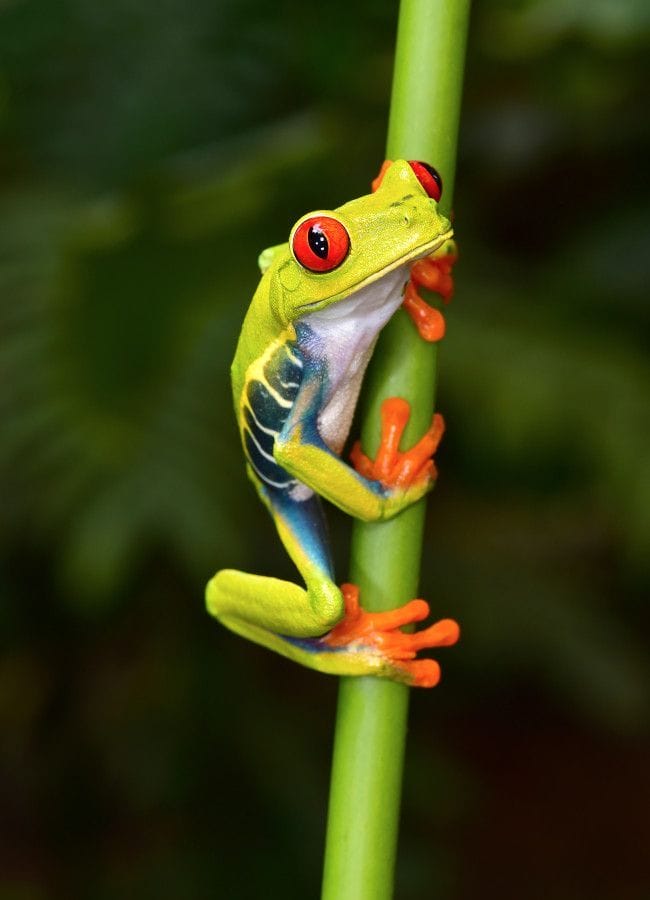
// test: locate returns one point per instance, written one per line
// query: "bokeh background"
(148, 152)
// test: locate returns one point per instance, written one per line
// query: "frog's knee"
(215, 592)
(327, 604)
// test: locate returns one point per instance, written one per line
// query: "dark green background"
(148, 152)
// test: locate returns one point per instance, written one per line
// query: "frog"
(304, 347)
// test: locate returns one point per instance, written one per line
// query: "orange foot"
(392, 467)
(434, 274)
(378, 634)
(385, 166)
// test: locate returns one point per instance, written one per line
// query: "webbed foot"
(395, 468)
(389, 651)
(434, 274)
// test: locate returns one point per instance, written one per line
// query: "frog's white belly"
(345, 334)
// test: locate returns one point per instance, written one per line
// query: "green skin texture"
(388, 229)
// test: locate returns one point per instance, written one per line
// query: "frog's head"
(332, 254)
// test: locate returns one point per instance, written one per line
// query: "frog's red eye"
(320, 243)
(428, 178)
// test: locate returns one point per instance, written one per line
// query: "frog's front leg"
(369, 491)
(434, 274)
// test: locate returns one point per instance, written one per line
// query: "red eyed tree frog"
(305, 343)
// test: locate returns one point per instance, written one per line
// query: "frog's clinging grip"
(300, 361)
(395, 468)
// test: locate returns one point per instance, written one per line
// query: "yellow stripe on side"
(255, 372)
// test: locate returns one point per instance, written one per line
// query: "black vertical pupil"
(318, 242)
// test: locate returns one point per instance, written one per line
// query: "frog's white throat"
(343, 336)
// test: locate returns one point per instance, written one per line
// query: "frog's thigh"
(260, 607)
(254, 605)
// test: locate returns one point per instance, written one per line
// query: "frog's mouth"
(418, 253)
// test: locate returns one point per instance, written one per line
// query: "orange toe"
(392, 466)
(444, 633)
(428, 320)
(434, 274)
(387, 163)
(423, 673)
(362, 463)
(395, 412)
(378, 635)
(416, 463)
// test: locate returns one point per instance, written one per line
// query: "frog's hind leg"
(323, 626)
(269, 610)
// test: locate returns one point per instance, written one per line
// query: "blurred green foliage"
(148, 152)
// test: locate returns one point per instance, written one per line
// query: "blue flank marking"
(266, 416)
(312, 645)
(283, 374)
(307, 522)
(267, 410)
(263, 438)
(267, 469)
(263, 421)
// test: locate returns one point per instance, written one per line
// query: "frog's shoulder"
(266, 258)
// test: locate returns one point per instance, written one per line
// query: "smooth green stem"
(372, 714)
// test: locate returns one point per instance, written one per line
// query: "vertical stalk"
(372, 714)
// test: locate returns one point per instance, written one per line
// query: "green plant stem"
(372, 714)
